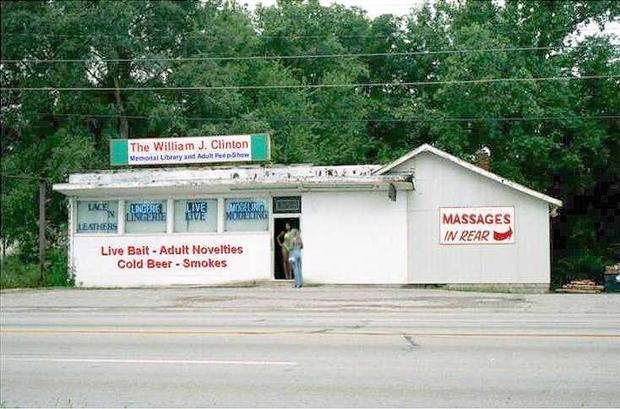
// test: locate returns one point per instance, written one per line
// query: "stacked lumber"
(613, 269)
(581, 287)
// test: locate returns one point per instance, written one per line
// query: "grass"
(17, 274)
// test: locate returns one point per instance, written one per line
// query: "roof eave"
(428, 148)
(223, 186)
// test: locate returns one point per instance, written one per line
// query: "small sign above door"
(287, 204)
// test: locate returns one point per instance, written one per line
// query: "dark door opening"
(279, 226)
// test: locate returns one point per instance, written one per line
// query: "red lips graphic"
(502, 236)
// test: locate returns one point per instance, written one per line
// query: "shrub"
(579, 266)
(58, 274)
(19, 274)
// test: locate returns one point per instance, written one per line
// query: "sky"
(375, 8)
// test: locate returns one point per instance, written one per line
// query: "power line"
(27, 177)
(199, 32)
(345, 120)
(311, 86)
(287, 57)
(258, 35)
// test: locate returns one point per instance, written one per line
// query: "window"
(145, 216)
(246, 215)
(94, 216)
(195, 215)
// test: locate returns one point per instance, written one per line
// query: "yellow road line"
(283, 333)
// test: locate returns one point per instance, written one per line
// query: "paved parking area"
(319, 346)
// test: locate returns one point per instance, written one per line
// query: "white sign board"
(476, 225)
(166, 259)
(198, 149)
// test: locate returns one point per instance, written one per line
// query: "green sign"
(287, 204)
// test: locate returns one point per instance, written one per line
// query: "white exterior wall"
(354, 237)
(96, 270)
(350, 237)
(441, 183)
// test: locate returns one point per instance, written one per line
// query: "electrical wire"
(340, 120)
(312, 86)
(259, 35)
(283, 57)
(4, 175)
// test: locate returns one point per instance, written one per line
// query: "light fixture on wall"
(392, 192)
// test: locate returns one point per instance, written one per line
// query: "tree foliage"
(560, 136)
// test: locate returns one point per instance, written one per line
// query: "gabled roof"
(428, 148)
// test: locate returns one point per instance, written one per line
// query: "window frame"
(221, 199)
(166, 223)
(75, 210)
(248, 197)
(204, 198)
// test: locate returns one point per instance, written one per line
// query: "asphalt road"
(345, 347)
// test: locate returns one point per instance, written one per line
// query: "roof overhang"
(193, 187)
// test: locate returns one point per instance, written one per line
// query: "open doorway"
(279, 225)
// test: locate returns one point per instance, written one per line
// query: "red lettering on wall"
(111, 251)
(150, 263)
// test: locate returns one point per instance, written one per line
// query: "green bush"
(57, 269)
(19, 274)
(579, 266)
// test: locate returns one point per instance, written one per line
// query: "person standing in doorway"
(284, 240)
(295, 257)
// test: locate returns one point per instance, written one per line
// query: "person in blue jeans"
(295, 257)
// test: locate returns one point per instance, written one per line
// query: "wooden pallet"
(581, 287)
(573, 291)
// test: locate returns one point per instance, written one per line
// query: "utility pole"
(2, 232)
(42, 241)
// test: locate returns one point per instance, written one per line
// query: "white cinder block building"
(427, 218)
